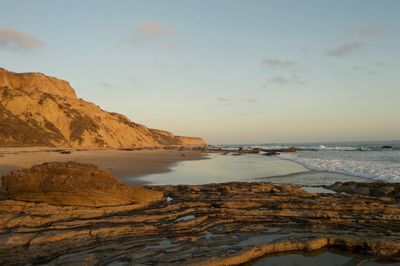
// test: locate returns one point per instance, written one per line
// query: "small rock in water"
(387, 147)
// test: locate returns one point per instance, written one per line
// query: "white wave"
(377, 170)
(335, 148)
(316, 147)
(272, 147)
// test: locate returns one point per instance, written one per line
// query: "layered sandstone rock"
(375, 189)
(75, 184)
(214, 224)
(36, 109)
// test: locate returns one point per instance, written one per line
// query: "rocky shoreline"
(213, 224)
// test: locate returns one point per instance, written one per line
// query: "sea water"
(314, 164)
(370, 160)
(217, 168)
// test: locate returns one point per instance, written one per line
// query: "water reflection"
(250, 167)
(221, 168)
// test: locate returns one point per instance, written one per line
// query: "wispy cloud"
(365, 69)
(251, 100)
(150, 31)
(373, 68)
(132, 79)
(13, 39)
(283, 81)
(345, 49)
(380, 64)
(276, 62)
(358, 68)
(223, 99)
(108, 85)
(368, 31)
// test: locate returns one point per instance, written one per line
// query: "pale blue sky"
(229, 71)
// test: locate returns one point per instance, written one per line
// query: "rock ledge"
(73, 183)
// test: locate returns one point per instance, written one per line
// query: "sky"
(230, 71)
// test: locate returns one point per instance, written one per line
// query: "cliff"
(38, 110)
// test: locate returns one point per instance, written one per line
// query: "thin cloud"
(108, 85)
(368, 69)
(222, 99)
(13, 39)
(276, 62)
(345, 49)
(151, 30)
(244, 114)
(358, 68)
(174, 44)
(160, 65)
(369, 31)
(135, 81)
(251, 100)
(249, 114)
(283, 81)
(132, 79)
(380, 64)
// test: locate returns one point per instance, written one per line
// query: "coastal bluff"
(39, 110)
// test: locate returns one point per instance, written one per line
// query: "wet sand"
(121, 163)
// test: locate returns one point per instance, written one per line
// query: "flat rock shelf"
(213, 224)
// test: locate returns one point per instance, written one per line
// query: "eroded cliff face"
(36, 109)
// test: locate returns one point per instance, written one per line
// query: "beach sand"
(121, 163)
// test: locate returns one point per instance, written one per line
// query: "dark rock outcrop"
(268, 152)
(387, 147)
(75, 184)
(375, 189)
(271, 153)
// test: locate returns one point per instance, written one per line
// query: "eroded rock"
(214, 224)
(375, 189)
(73, 183)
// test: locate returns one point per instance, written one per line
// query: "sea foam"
(388, 171)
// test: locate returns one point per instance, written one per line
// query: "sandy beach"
(121, 163)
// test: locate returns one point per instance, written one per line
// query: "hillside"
(38, 110)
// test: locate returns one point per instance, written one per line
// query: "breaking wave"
(388, 170)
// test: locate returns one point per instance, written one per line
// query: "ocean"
(375, 160)
(315, 164)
